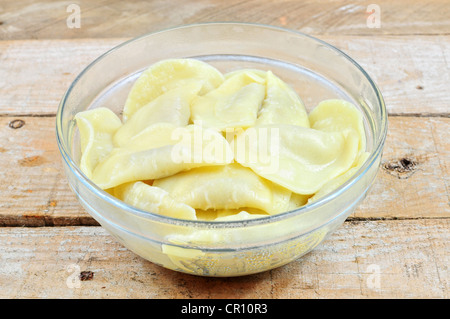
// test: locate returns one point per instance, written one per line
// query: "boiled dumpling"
(153, 136)
(216, 214)
(297, 201)
(339, 180)
(96, 127)
(225, 187)
(169, 74)
(338, 116)
(188, 147)
(297, 158)
(153, 199)
(242, 215)
(170, 107)
(235, 103)
(251, 72)
(281, 105)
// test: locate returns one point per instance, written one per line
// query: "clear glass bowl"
(317, 70)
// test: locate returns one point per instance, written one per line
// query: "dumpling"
(297, 158)
(217, 214)
(225, 187)
(166, 75)
(242, 215)
(153, 136)
(170, 107)
(338, 116)
(252, 72)
(186, 148)
(235, 103)
(153, 199)
(297, 201)
(339, 180)
(281, 105)
(96, 127)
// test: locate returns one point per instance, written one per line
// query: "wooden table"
(396, 245)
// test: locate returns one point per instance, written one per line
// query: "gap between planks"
(28, 115)
(447, 115)
(91, 222)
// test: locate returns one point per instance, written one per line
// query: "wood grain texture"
(34, 75)
(413, 74)
(47, 19)
(371, 259)
(35, 192)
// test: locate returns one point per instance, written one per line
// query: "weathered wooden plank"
(414, 180)
(34, 190)
(34, 75)
(405, 255)
(48, 19)
(412, 72)
(371, 259)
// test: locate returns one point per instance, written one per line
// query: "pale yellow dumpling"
(235, 103)
(225, 187)
(172, 107)
(242, 215)
(337, 116)
(96, 127)
(147, 162)
(297, 158)
(169, 74)
(217, 214)
(339, 180)
(153, 199)
(281, 105)
(297, 201)
(153, 136)
(252, 72)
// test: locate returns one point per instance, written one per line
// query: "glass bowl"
(315, 69)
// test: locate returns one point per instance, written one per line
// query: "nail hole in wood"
(32, 161)
(86, 275)
(402, 168)
(16, 124)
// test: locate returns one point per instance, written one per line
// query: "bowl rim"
(378, 147)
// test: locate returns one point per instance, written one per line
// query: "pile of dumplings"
(193, 143)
